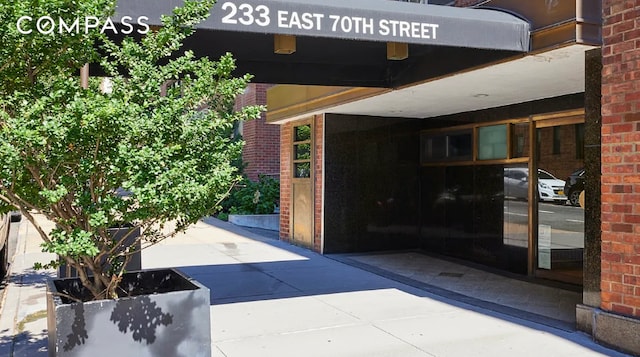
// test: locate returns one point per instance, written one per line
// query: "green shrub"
(249, 197)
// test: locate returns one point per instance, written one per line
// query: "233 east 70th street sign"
(321, 21)
(374, 20)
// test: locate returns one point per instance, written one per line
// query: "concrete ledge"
(613, 330)
(584, 318)
(263, 221)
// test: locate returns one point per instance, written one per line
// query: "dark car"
(574, 185)
(5, 224)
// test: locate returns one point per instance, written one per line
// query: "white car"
(516, 185)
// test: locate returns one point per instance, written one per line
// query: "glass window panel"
(454, 146)
(516, 208)
(460, 145)
(434, 147)
(557, 139)
(302, 151)
(303, 132)
(492, 142)
(579, 128)
(520, 138)
(302, 169)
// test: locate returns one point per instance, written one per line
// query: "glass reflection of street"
(567, 222)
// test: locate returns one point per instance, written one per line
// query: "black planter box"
(171, 318)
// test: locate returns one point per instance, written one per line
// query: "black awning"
(368, 20)
(343, 42)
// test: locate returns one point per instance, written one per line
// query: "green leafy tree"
(90, 159)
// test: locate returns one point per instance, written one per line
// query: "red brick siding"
(286, 131)
(261, 152)
(620, 159)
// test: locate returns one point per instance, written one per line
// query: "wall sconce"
(397, 51)
(154, 28)
(284, 44)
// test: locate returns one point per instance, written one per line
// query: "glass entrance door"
(559, 163)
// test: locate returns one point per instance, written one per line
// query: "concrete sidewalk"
(273, 299)
(23, 325)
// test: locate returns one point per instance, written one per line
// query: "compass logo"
(47, 25)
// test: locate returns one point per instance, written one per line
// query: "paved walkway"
(548, 304)
(23, 325)
(273, 299)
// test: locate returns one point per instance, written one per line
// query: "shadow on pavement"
(316, 274)
(25, 344)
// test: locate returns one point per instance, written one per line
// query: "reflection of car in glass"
(573, 186)
(516, 185)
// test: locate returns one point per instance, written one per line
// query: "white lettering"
(74, 28)
(229, 18)
(415, 29)
(384, 27)
(142, 21)
(263, 15)
(46, 25)
(351, 24)
(359, 24)
(433, 30)
(394, 27)
(294, 21)
(318, 18)
(345, 24)
(125, 22)
(308, 22)
(109, 25)
(304, 21)
(404, 29)
(247, 12)
(19, 22)
(282, 17)
(334, 26)
(367, 26)
(90, 22)
(408, 29)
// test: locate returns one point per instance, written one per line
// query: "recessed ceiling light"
(480, 95)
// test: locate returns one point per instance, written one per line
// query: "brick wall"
(261, 152)
(286, 131)
(620, 183)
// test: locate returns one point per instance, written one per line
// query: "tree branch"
(36, 225)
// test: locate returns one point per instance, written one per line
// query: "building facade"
(363, 170)
(451, 129)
